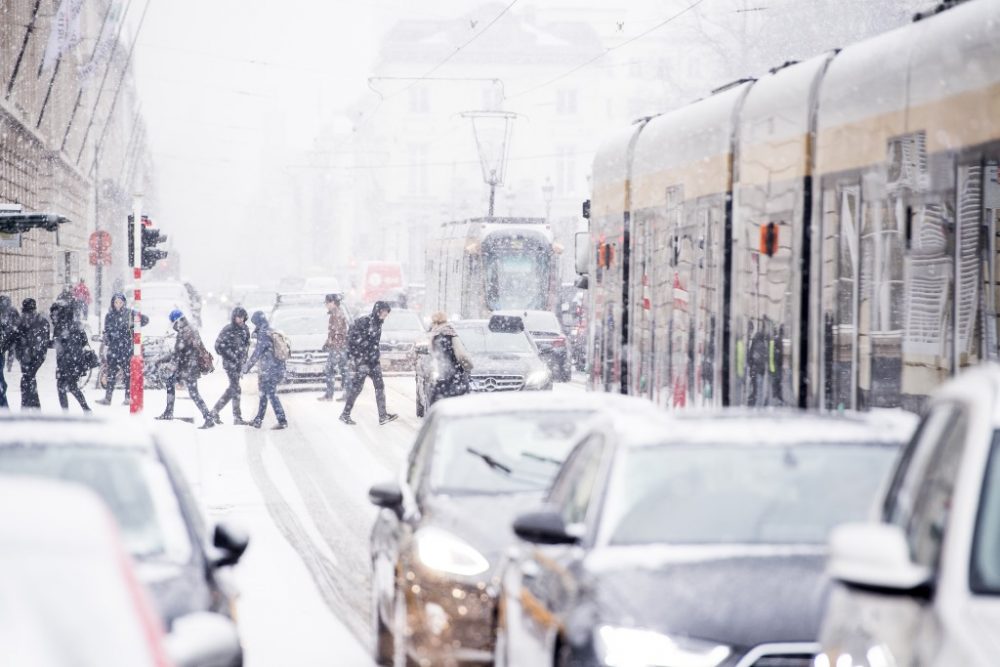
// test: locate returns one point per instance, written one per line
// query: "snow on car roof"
(57, 429)
(765, 427)
(497, 402)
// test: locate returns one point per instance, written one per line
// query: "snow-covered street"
(302, 493)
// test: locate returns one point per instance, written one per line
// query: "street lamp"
(547, 190)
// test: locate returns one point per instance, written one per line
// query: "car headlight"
(634, 647)
(442, 551)
(538, 378)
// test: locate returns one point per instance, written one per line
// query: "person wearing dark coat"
(271, 371)
(185, 358)
(118, 329)
(451, 359)
(8, 332)
(232, 346)
(363, 356)
(71, 355)
(32, 344)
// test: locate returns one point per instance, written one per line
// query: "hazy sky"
(233, 91)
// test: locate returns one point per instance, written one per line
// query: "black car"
(477, 462)
(181, 563)
(547, 334)
(690, 540)
(504, 359)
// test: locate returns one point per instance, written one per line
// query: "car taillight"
(559, 342)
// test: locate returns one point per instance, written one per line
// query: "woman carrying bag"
(451, 359)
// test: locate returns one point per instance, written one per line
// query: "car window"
(480, 340)
(922, 497)
(984, 573)
(419, 455)
(576, 486)
(909, 474)
(133, 483)
(741, 494)
(301, 322)
(538, 321)
(402, 321)
(503, 452)
(929, 523)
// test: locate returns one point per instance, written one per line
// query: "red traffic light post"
(136, 379)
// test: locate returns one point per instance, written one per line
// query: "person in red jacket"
(82, 295)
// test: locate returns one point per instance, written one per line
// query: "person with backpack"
(232, 346)
(269, 354)
(336, 346)
(363, 355)
(8, 332)
(191, 360)
(119, 324)
(450, 358)
(33, 343)
(73, 355)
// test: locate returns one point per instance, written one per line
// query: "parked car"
(504, 359)
(182, 563)
(401, 331)
(919, 584)
(547, 333)
(434, 547)
(696, 539)
(306, 327)
(70, 593)
(250, 297)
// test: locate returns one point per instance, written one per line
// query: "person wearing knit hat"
(190, 360)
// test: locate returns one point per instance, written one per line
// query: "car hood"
(482, 520)
(500, 364)
(740, 596)
(176, 590)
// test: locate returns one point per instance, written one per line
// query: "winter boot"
(280, 426)
(346, 418)
(103, 401)
(166, 416)
(386, 418)
(256, 423)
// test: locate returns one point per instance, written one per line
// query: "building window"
(566, 101)
(418, 155)
(419, 100)
(565, 170)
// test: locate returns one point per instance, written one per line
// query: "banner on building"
(105, 44)
(65, 32)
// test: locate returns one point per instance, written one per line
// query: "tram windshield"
(517, 279)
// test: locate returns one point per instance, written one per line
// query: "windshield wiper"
(543, 459)
(490, 461)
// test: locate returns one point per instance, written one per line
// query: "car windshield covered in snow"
(402, 320)
(536, 320)
(719, 494)
(478, 339)
(132, 482)
(501, 453)
(301, 321)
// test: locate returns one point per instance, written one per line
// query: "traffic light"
(150, 239)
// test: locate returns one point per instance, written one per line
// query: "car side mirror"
(231, 543)
(387, 495)
(203, 639)
(876, 556)
(544, 527)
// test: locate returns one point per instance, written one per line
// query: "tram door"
(840, 296)
(642, 316)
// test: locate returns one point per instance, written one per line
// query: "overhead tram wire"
(593, 60)
(423, 77)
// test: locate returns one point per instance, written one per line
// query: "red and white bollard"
(136, 382)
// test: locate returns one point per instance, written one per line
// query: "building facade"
(72, 141)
